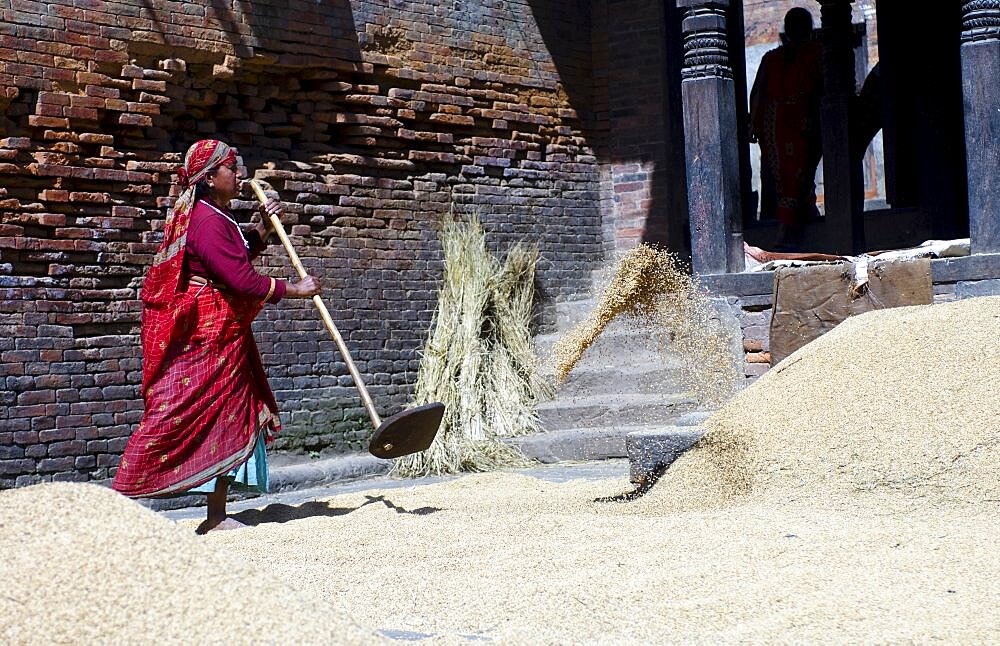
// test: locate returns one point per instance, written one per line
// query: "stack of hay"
(479, 361)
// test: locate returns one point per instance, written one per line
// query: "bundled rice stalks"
(651, 286)
(479, 360)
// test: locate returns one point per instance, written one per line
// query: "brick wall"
(371, 119)
(636, 148)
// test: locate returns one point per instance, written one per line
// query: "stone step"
(577, 444)
(612, 378)
(651, 451)
(614, 410)
(569, 314)
(694, 418)
(613, 344)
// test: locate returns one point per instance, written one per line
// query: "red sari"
(785, 102)
(206, 393)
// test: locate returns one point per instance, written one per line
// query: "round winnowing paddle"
(409, 431)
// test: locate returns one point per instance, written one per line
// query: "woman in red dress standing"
(208, 407)
(785, 121)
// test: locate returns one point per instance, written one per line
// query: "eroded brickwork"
(370, 119)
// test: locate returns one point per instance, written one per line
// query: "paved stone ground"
(559, 472)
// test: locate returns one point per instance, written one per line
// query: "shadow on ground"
(282, 513)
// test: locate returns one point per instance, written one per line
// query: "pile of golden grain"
(901, 403)
(83, 565)
(511, 558)
(849, 495)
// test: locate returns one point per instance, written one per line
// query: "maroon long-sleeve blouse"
(217, 250)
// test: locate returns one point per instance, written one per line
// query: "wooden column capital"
(980, 20)
(706, 47)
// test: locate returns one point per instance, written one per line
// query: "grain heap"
(828, 502)
(479, 360)
(515, 559)
(899, 402)
(84, 565)
(650, 287)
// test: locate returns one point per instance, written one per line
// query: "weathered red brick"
(55, 74)
(87, 114)
(427, 156)
(143, 108)
(49, 110)
(53, 195)
(96, 138)
(32, 82)
(71, 62)
(126, 212)
(110, 174)
(91, 78)
(19, 143)
(148, 85)
(82, 101)
(135, 120)
(50, 219)
(56, 135)
(109, 56)
(79, 196)
(54, 98)
(47, 122)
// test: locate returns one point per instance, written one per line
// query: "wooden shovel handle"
(323, 312)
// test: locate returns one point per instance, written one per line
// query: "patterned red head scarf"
(202, 158)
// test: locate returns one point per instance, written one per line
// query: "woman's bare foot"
(230, 523)
(217, 518)
(212, 524)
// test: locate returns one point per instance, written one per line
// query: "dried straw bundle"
(479, 360)
(652, 287)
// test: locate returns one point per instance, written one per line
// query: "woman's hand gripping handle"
(308, 286)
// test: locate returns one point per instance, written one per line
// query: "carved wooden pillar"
(710, 140)
(980, 71)
(843, 189)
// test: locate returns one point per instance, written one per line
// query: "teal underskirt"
(249, 476)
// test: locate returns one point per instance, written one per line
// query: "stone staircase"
(624, 384)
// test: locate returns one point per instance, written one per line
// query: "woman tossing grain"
(208, 407)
